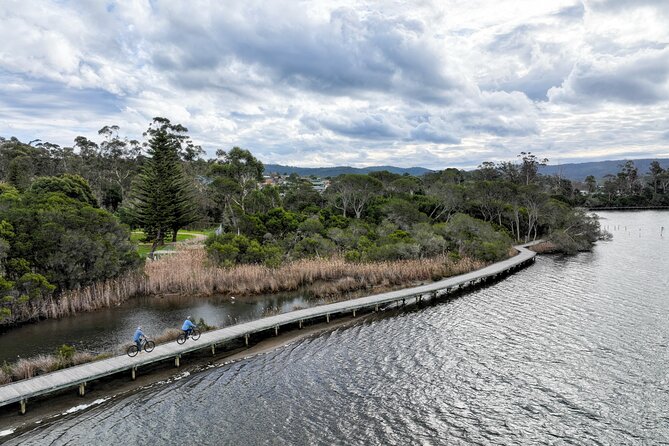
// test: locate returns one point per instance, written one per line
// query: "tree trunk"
(174, 234)
(156, 242)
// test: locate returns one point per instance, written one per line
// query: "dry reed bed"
(188, 272)
(544, 247)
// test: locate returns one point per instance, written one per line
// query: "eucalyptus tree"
(350, 193)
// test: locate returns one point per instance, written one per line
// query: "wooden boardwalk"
(78, 376)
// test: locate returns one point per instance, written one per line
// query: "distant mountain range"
(324, 172)
(598, 169)
(572, 171)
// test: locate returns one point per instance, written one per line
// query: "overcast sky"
(427, 83)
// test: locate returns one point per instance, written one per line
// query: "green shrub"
(65, 353)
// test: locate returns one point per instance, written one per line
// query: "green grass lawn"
(143, 249)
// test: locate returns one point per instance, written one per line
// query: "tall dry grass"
(187, 272)
(544, 247)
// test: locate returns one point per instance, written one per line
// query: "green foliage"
(476, 238)
(65, 354)
(72, 186)
(228, 249)
(314, 246)
(53, 239)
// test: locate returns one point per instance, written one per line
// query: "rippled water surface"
(568, 351)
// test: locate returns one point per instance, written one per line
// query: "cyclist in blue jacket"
(137, 338)
(188, 326)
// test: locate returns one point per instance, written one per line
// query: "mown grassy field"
(143, 248)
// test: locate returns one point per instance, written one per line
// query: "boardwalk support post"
(353, 313)
(276, 330)
(82, 389)
(22, 406)
(327, 317)
(134, 372)
(177, 362)
(213, 349)
(246, 339)
(301, 321)
(376, 308)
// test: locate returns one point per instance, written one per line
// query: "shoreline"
(63, 405)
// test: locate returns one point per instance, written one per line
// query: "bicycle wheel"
(181, 339)
(195, 335)
(132, 350)
(149, 346)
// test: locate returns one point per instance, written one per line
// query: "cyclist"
(188, 327)
(139, 334)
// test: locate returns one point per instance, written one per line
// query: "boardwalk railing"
(21, 391)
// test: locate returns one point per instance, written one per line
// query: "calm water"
(569, 351)
(106, 329)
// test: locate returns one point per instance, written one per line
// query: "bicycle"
(194, 335)
(144, 343)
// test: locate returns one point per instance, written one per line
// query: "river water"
(105, 330)
(572, 350)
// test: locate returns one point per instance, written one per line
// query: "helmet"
(189, 318)
(139, 328)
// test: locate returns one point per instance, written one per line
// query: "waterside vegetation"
(66, 216)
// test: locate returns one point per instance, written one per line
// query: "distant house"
(319, 185)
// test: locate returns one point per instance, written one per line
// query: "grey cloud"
(576, 11)
(617, 6)
(540, 64)
(346, 54)
(426, 132)
(366, 127)
(633, 80)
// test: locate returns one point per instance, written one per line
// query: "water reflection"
(105, 329)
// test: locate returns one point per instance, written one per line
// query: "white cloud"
(308, 83)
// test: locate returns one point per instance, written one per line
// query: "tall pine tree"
(163, 196)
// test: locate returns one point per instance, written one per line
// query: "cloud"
(428, 133)
(639, 79)
(360, 82)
